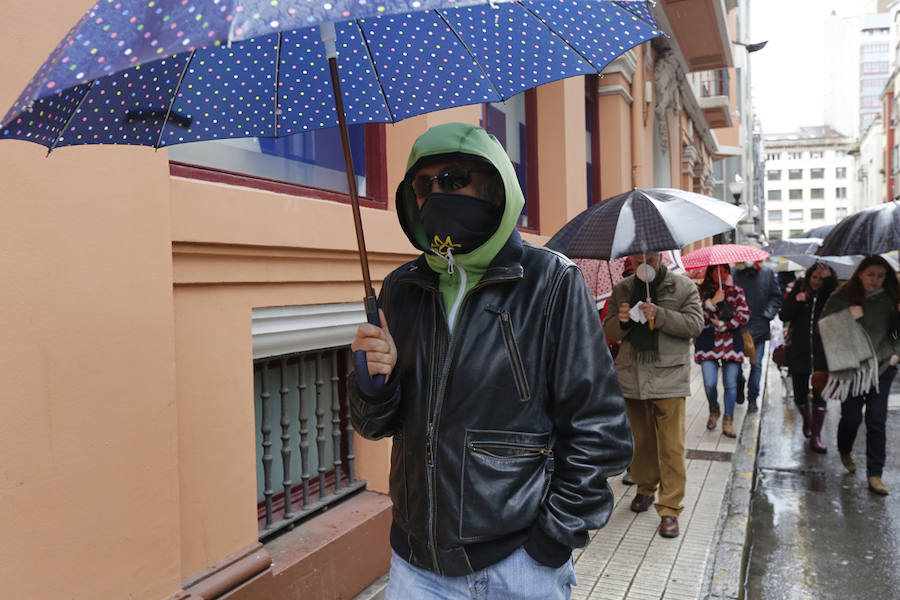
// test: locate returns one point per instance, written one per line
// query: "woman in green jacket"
(872, 296)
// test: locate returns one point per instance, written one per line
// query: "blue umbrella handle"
(369, 385)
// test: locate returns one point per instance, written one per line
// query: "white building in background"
(870, 172)
(857, 53)
(809, 180)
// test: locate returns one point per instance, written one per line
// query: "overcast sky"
(788, 74)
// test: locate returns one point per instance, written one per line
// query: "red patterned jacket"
(727, 344)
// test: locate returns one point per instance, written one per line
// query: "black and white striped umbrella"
(644, 220)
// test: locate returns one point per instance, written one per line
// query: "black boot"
(815, 440)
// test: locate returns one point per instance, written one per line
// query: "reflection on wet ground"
(816, 532)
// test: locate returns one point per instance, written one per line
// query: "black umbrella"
(870, 231)
(792, 246)
(817, 232)
(644, 220)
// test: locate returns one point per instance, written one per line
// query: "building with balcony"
(810, 180)
(177, 322)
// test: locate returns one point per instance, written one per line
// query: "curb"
(726, 567)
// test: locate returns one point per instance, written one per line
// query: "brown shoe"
(728, 426)
(713, 419)
(668, 527)
(641, 503)
(848, 462)
(877, 486)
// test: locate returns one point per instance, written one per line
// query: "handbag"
(780, 353)
(749, 346)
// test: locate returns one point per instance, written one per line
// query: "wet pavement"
(816, 531)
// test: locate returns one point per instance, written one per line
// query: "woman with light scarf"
(860, 329)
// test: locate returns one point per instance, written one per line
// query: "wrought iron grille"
(302, 399)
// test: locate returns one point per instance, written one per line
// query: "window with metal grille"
(817, 173)
(840, 192)
(774, 195)
(817, 193)
(795, 173)
(304, 440)
(817, 214)
(795, 194)
(773, 175)
(774, 215)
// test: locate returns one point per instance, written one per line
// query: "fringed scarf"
(852, 363)
(644, 341)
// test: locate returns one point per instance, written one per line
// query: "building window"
(817, 193)
(817, 173)
(309, 163)
(774, 195)
(774, 234)
(817, 214)
(840, 192)
(774, 175)
(795, 233)
(773, 156)
(815, 154)
(840, 153)
(795, 155)
(840, 212)
(840, 172)
(795, 173)
(795, 214)
(774, 215)
(508, 122)
(795, 194)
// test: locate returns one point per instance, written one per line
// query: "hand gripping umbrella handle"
(369, 385)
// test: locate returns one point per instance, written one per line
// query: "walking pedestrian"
(500, 394)
(801, 310)
(871, 300)
(764, 296)
(720, 343)
(654, 367)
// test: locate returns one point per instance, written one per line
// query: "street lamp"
(751, 47)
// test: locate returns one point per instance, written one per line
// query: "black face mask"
(458, 223)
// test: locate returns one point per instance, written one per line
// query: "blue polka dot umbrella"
(163, 72)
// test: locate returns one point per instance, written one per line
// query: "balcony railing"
(711, 83)
(300, 395)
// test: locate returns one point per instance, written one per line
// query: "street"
(816, 531)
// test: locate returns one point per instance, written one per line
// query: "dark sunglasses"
(448, 180)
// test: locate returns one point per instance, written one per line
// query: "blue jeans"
(730, 370)
(516, 577)
(755, 372)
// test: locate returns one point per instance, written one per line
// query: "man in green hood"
(500, 394)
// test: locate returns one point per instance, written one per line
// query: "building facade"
(176, 323)
(809, 180)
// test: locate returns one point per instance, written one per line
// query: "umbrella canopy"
(792, 246)
(786, 264)
(869, 231)
(193, 70)
(722, 254)
(644, 220)
(818, 232)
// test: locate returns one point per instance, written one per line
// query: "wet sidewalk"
(627, 559)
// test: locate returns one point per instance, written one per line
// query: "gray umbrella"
(870, 231)
(792, 246)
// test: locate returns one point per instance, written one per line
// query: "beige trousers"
(658, 430)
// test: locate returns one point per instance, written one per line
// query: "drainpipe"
(638, 106)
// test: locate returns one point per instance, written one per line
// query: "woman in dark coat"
(801, 310)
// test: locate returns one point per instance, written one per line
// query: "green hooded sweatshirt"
(444, 143)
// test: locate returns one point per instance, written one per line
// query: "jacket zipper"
(513, 350)
(521, 451)
(433, 426)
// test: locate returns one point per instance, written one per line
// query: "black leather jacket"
(508, 428)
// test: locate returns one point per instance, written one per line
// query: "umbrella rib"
(69, 120)
(472, 56)
(277, 78)
(387, 105)
(561, 39)
(184, 71)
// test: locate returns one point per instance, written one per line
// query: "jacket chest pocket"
(512, 352)
(506, 475)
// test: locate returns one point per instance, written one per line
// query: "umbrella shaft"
(351, 177)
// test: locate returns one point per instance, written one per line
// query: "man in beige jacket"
(654, 368)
